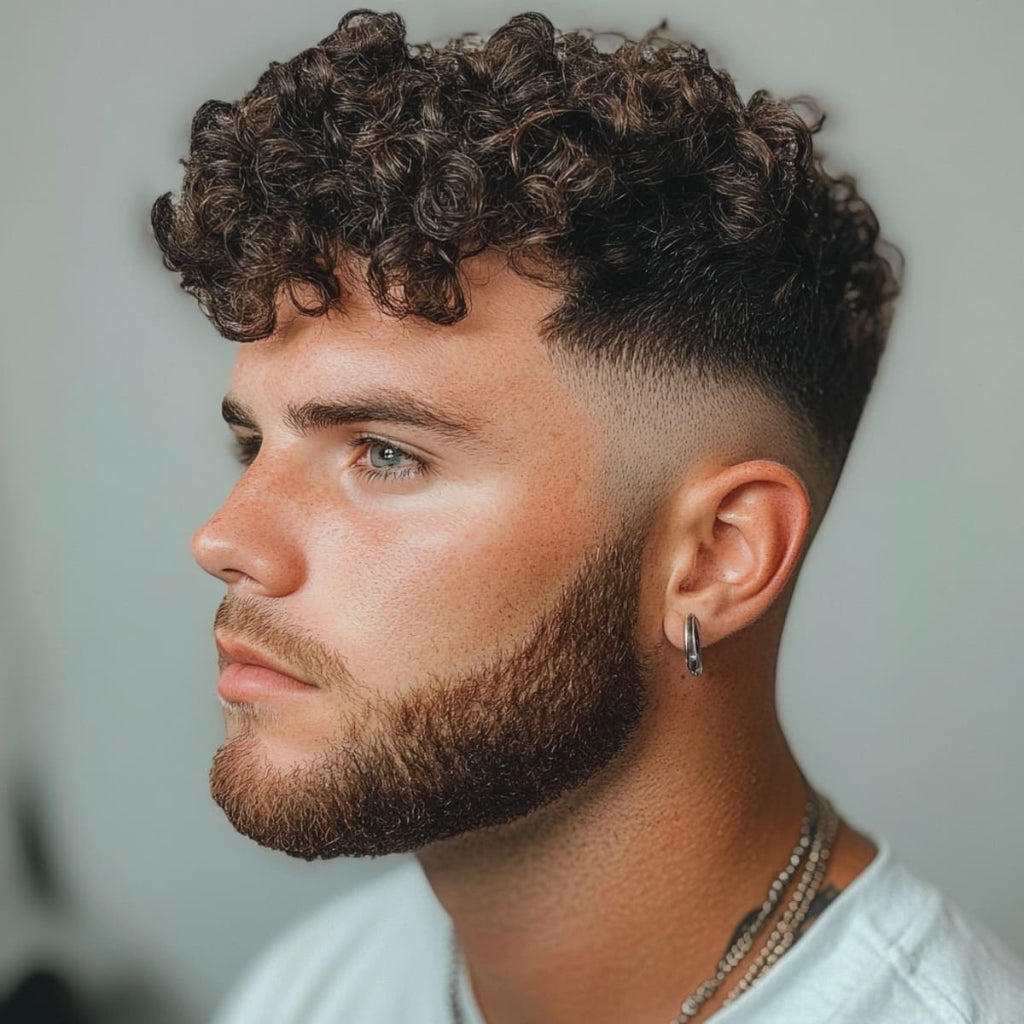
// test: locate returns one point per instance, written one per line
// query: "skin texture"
(463, 751)
(611, 900)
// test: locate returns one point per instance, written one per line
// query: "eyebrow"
(382, 404)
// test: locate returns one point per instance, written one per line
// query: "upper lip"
(232, 649)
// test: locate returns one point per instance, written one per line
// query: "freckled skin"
(614, 901)
(407, 576)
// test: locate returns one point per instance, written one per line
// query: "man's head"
(601, 333)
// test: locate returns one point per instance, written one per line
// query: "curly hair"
(685, 228)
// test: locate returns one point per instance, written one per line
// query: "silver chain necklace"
(817, 835)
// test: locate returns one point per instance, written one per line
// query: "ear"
(734, 539)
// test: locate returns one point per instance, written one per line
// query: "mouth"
(247, 674)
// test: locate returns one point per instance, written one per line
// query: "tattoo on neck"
(821, 900)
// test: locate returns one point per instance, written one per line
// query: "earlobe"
(738, 543)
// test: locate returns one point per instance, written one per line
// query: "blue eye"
(396, 463)
(390, 451)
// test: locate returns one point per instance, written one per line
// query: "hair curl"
(685, 227)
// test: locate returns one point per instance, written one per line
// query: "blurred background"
(902, 667)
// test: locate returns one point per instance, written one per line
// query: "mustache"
(250, 620)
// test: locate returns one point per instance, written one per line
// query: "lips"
(232, 650)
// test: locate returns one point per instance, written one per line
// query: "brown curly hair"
(685, 228)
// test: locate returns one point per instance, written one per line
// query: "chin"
(259, 743)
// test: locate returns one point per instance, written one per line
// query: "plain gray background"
(901, 675)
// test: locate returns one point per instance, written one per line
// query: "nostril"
(212, 553)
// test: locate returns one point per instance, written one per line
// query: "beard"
(457, 753)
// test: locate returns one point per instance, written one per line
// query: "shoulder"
(384, 940)
(891, 949)
(942, 957)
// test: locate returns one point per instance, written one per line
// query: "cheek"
(407, 586)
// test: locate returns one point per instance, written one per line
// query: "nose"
(254, 540)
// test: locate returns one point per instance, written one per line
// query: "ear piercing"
(691, 645)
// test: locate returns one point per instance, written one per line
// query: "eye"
(387, 460)
(391, 455)
(246, 449)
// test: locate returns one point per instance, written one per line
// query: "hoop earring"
(691, 645)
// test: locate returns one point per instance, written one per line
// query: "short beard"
(466, 752)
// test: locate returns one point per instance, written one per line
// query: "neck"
(617, 901)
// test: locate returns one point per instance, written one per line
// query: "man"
(552, 360)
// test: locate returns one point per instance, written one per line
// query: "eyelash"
(247, 448)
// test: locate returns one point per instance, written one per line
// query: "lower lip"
(243, 682)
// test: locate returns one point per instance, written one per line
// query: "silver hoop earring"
(691, 645)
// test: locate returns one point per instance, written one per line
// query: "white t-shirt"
(890, 949)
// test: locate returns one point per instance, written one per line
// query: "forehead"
(491, 365)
